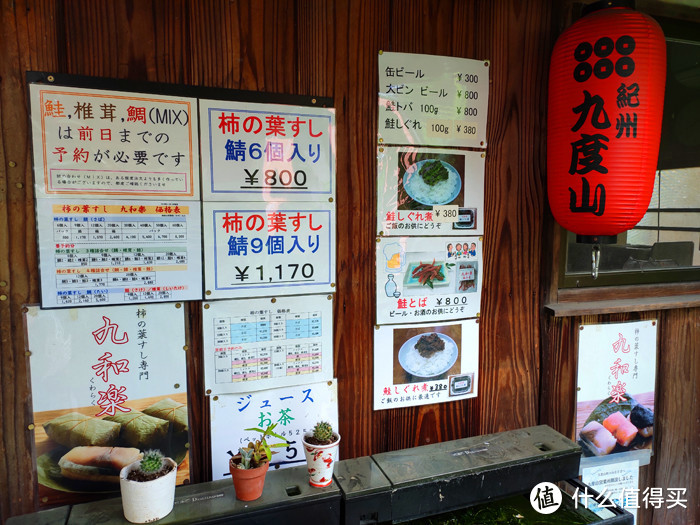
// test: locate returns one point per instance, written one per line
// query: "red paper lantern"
(606, 98)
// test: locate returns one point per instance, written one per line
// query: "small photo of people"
(461, 250)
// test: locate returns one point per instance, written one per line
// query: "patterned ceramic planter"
(320, 460)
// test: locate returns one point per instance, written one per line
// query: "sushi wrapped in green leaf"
(141, 430)
(171, 411)
(75, 429)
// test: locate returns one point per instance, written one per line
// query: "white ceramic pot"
(146, 501)
(320, 460)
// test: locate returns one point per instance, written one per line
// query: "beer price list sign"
(261, 343)
(432, 100)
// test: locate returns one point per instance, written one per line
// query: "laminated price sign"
(274, 248)
(253, 152)
(254, 344)
(113, 143)
(436, 192)
(432, 100)
(293, 409)
(106, 252)
(426, 363)
(428, 279)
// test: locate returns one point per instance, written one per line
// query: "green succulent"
(246, 457)
(152, 462)
(323, 431)
(259, 452)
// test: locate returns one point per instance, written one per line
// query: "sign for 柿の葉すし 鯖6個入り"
(432, 100)
(267, 152)
(421, 279)
(257, 344)
(424, 191)
(256, 249)
(107, 382)
(422, 364)
(615, 389)
(105, 252)
(117, 144)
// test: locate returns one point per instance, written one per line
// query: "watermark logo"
(545, 497)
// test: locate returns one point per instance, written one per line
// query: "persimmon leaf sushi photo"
(614, 427)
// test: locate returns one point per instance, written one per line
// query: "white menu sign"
(428, 279)
(615, 390)
(113, 143)
(106, 356)
(617, 482)
(294, 409)
(432, 100)
(425, 363)
(105, 252)
(274, 248)
(263, 152)
(429, 191)
(255, 344)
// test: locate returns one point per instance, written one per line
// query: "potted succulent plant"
(148, 487)
(249, 467)
(321, 449)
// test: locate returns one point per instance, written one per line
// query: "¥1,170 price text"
(280, 273)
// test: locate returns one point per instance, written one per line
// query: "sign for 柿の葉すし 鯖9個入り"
(432, 100)
(615, 389)
(117, 144)
(257, 249)
(257, 344)
(267, 152)
(429, 191)
(105, 252)
(107, 382)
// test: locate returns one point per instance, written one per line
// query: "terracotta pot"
(320, 460)
(146, 501)
(248, 483)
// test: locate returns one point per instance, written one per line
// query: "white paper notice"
(430, 192)
(295, 410)
(106, 356)
(432, 100)
(94, 369)
(103, 252)
(425, 363)
(264, 249)
(617, 482)
(264, 152)
(113, 143)
(428, 279)
(615, 394)
(255, 344)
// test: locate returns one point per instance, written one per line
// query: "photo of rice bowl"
(427, 179)
(428, 355)
(432, 182)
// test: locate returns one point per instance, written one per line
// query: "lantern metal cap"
(596, 239)
(604, 4)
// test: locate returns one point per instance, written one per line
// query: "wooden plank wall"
(326, 48)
